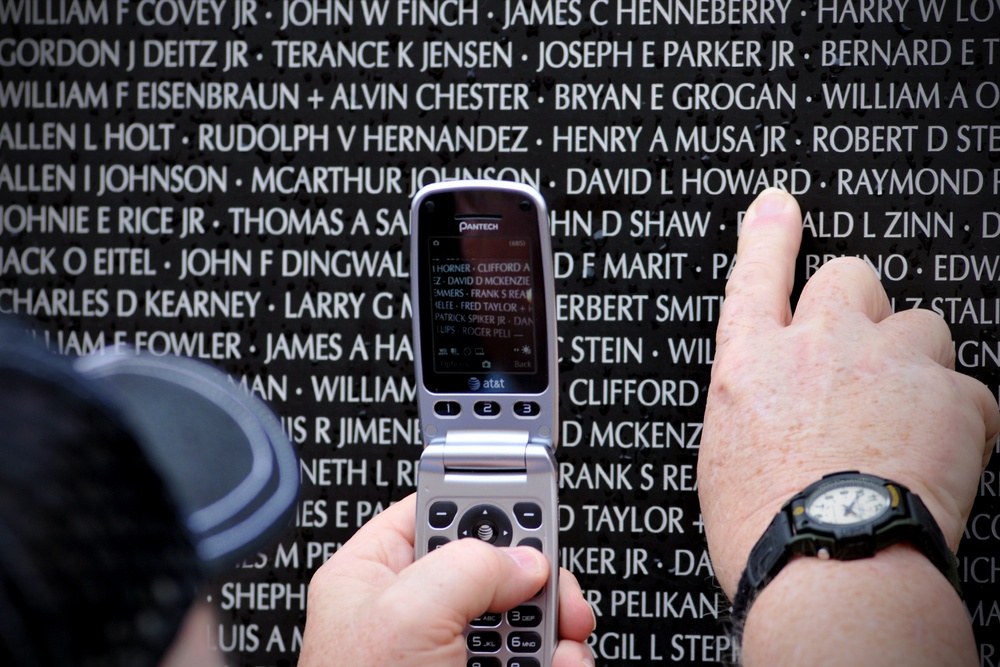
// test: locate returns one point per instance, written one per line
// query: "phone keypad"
(525, 616)
(528, 515)
(484, 641)
(486, 408)
(524, 642)
(442, 513)
(485, 662)
(436, 542)
(487, 523)
(532, 542)
(488, 620)
(496, 639)
(447, 408)
(527, 409)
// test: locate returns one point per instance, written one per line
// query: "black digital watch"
(844, 516)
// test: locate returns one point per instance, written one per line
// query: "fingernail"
(588, 661)
(527, 558)
(771, 202)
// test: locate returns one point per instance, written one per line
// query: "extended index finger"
(758, 291)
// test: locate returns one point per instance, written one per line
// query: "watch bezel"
(843, 541)
(823, 489)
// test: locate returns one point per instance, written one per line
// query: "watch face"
(847, 502)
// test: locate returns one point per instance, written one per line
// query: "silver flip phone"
(485, 339)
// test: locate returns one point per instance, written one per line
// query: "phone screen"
(483, 328)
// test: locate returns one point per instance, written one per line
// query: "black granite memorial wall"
(230, 180)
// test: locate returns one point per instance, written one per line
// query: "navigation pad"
(487, 523)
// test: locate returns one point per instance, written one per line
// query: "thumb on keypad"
(471, 577)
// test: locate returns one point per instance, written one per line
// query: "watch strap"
(770, 553)
(931, 541)
(768, 556)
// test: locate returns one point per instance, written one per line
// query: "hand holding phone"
(485, 340)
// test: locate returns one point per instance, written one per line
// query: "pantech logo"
(478, 226)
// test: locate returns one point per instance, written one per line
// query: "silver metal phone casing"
(498, 461)
(498, 471)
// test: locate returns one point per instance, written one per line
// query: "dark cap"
(125, 481)
(220, 450)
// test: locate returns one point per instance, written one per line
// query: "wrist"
(843, 516)
(730, 549)
(736, 515)
(896, 605)
(732, 541)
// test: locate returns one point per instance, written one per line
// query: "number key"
(483, 662)
(524, 642)
(525, 616)
(484, 642)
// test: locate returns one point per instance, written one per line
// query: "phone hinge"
(485, 450)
